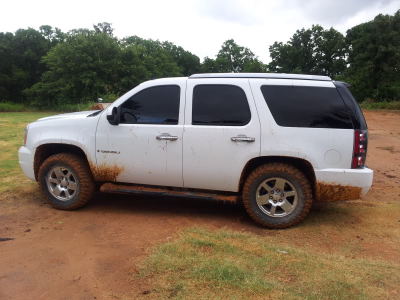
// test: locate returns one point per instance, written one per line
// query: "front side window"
(220, 104)
(306, 106)
(154, 105)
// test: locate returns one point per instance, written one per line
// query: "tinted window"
(224, 105)
(154, 105)
(356, 113)
(301, 106)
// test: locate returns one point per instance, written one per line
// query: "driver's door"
(146, 146)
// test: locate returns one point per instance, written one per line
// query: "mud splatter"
(105, 173)
(327, 192)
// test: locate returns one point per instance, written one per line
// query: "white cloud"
(200, 26)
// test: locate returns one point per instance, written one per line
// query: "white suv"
(277, 142)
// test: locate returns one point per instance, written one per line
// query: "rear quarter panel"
(322, 147)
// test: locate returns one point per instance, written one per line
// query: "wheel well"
(44, 151)
(302, 164)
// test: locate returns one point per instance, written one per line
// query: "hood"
(72, 116)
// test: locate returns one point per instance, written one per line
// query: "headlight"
(26, 134)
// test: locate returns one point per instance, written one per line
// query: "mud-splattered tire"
(66, 180)
(277, 195)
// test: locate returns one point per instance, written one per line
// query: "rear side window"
(304, 106)
(223, 105)
(356, 112)
(154, 105)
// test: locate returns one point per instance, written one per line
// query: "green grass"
(66, 107)
(12, 126)
(73, 107)
(11, 107)
(223, 264)
(394, 105)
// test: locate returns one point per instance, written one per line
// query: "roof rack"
(261, 75)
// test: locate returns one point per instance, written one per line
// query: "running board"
(160, 191)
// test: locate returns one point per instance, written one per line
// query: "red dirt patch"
(92, 253)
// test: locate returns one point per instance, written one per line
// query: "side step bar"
(160, 191)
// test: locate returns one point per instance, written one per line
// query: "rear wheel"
(277, 195)
(66, 180)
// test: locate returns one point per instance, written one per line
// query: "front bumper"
(342, 184)
(25, 156)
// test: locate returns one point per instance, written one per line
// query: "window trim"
(219, 124)
(156, 86)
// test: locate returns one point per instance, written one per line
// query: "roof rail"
(261, 75)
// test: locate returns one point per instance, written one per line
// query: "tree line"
(46, 67)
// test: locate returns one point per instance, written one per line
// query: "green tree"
(374, 58)
(82, 68)
(104, 27)
(188, 62)
(54, 36)
(233, 58)
(142, 60)
(93, 63)
(20, 62)
(166, 56)
(310, 51)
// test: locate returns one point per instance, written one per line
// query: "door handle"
(243, 138)
(166, 137)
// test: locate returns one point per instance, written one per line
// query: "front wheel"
(66, 180)
(277, 195)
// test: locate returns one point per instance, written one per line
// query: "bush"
(12, 107)
(371, 104)
(67, 107)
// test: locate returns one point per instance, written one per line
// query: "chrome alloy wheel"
(62, 183)
(276, 197)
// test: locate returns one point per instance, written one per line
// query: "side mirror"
(115, 116)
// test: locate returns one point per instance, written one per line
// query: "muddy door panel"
(146, 147)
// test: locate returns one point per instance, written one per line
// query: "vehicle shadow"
(223, 213)
(199, 210)
(156, 206)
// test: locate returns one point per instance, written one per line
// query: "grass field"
(393, 105)
(348, 250)
(19, 107)
(11, 138)
(224, 264)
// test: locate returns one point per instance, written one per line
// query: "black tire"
(80, 177)
(294, 180)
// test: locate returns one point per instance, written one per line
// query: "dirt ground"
(93, 253)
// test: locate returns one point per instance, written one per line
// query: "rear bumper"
(25, 157)
(342, 184)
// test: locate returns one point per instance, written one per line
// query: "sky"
(199, 26)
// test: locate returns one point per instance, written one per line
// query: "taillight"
(360, 149)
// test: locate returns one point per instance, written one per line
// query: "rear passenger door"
(221, 133)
